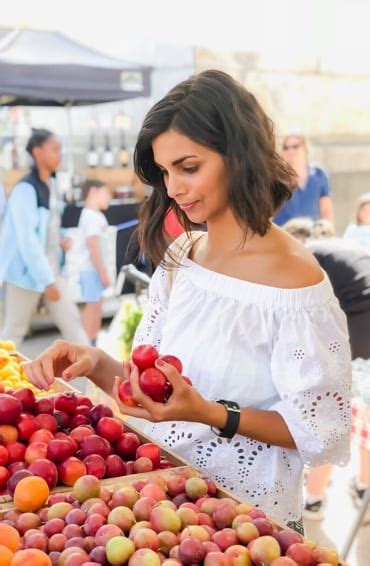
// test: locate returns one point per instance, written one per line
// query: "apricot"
(31, 494)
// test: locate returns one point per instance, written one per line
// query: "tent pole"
(70, 158)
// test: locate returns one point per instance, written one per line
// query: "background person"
(359, 232)
(311, 198)
(93, 275)
(31, 248)
(247, 310)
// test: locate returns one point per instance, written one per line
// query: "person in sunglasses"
(311, 199)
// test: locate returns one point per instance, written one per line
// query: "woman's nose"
(173, 186)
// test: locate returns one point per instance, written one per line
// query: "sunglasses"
(293, 146)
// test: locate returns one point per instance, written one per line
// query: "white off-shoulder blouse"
(284, 350)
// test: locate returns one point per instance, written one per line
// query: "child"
(244, 306)
(93, 275)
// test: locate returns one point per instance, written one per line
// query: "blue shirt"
(305, 202)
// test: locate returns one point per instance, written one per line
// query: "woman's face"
(364, 214)
(48, 154)
(194, 175)
(293, 150)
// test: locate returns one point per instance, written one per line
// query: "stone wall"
(316, 97)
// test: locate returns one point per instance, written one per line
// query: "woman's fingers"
(169, 371)
(138, 412)
(36, 375)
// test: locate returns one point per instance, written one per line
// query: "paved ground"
(340, 511)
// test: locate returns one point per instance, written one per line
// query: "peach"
(225, 538)
(27, 521)
(147, 538)
(57, 542)
(59, 510)
(224, 514)
(191, 551)
(86, 487)
(264, 549)
(300, 553)
(139, 525)
(144, 557)
(71, 470)
(195, 531)
(167, 540)
(105, 533)
(163, 519)
(216, 559)
(246, 532)
(187, 516)
(143, 507)
(326, 555)
(264, 526)
(93, 524)
(119, 549)
(175, 485)
(8, 433)
(284, 561)
(125, 496)
(209, 505)
(195, 488)
(238, 555)
(123, 517)
(287, 537)
(153, 490)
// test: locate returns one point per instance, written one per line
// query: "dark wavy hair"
(216, 111)
(37, 139)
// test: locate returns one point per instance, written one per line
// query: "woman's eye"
(190, 169)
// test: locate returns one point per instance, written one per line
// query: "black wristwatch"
(233, 419)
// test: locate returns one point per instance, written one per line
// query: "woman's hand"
(185, 403)
(61, 359)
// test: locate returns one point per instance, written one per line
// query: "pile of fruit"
(173, 520)
(64, 437)
(151, 380)
(12, 374)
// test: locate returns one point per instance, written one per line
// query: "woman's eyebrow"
(177, 161)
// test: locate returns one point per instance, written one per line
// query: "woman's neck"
(226, 235)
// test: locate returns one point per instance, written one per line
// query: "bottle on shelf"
(92, 157)
(108, 157)
(123, 157)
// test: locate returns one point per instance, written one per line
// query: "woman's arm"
(186, 404)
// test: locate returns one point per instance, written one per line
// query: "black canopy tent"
(46, 68)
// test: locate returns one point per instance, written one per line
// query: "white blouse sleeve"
(311, 370)
(149, 330)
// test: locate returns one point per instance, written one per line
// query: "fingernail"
(67, 375)
(160, 363)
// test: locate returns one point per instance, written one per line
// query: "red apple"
(10, 409)
(59, 450)
(79, 420)
(127, 445)
(80, 432)
(4, 477)
(83, 410)
(4, 456)
(110, 428)
(83, 400)
(34, 451)
(173, 360)
(66, 402)
(98, 412)
(62, 419)
(16, 452)
(68, 438)
(115, 466)
(43, 406)
(144, 356)
(125, 394)
(151, 451)
(94, 444)
(27, 425)
(15, 478)
(70, 470)
(95, 465)
(26, 397)
(41, 435)
(153, 383)
(47, 422)
(45, 469)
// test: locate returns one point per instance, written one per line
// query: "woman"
(31, 245)
(244, 306)
(359, 232)
(311, 198)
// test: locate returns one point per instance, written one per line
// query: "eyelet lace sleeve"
(311, 371)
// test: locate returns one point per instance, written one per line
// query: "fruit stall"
(81, 487)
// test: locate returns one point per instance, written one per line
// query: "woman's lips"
(187, 206)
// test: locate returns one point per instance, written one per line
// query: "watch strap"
(233, 419)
